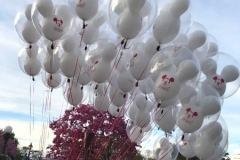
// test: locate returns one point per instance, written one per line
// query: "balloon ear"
(28, 12)
(230, 73)
(210, 105)
(209, 67)
(99, 20)
(196, 39)
(45, 7)
(214, 131)
(185, 94)
(187, 70)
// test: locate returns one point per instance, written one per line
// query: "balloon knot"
(96, 87)
(118, 110)
(141, 131)
(82, 88)
(51, 89)
(159, 104)
(158, 48)
(182, 137)
(52, 46)
(146, 98)
(33, 78)
(136, 84)
(85, 48)
(51, 77)
(84, 25)
(68, 80)
(122, 42)
(124, 96)
(30, 46)
(162, 111)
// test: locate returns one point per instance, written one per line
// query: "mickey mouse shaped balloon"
(169, 83)
(166, 149)
(228, 74)
(205, 144)
(194, 108)
(53, 22)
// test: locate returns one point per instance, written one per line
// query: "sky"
(220, 18)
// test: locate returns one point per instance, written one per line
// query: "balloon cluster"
(138, 59)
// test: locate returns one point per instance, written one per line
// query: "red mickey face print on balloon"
(59, 22)
(191, 114)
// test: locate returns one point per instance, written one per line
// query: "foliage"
(12, 143)
(84, 132)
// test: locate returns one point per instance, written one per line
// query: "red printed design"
(132, 60)
(80, 4)
(176, 51)
(92, 68)
(59, 24)
(218, 81)
(166, 82)
(188, 118)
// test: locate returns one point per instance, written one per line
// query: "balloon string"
(112, 127)
(30, 105)
(82, 32)
(170, 150)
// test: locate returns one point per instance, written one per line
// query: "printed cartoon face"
(218, 81)
(190, 114)
(59, 22)
(80, 4)
(166, 81)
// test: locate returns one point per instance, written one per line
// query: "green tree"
(138, 156)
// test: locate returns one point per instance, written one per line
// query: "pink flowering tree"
(85, 133)
(11, 147)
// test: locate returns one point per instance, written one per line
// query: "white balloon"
(150, 46)
(101, 103)
(114, 110)
(86, 9)
(29, 32)
(165, 119)
(117, 97)
(108, 52)
(69, 64)
(135, 134)
(142, 119)
(204, 146)
(178, 7)
(132, 111)
(28, 9)
(186, 148)
(191, 116)
(100, 71)
(166, 87)
(166, 27)
(166, 149)
(138, 66)
(196, 39)
(32, 65)
(143, 103)
(69, 43)
(126, 82)
(129, 24)
(135, 6)
(53, 28)
(91, 33)
(45, 7)
(53, 80)
(74, 94)
(52, 61)
(229, 73)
